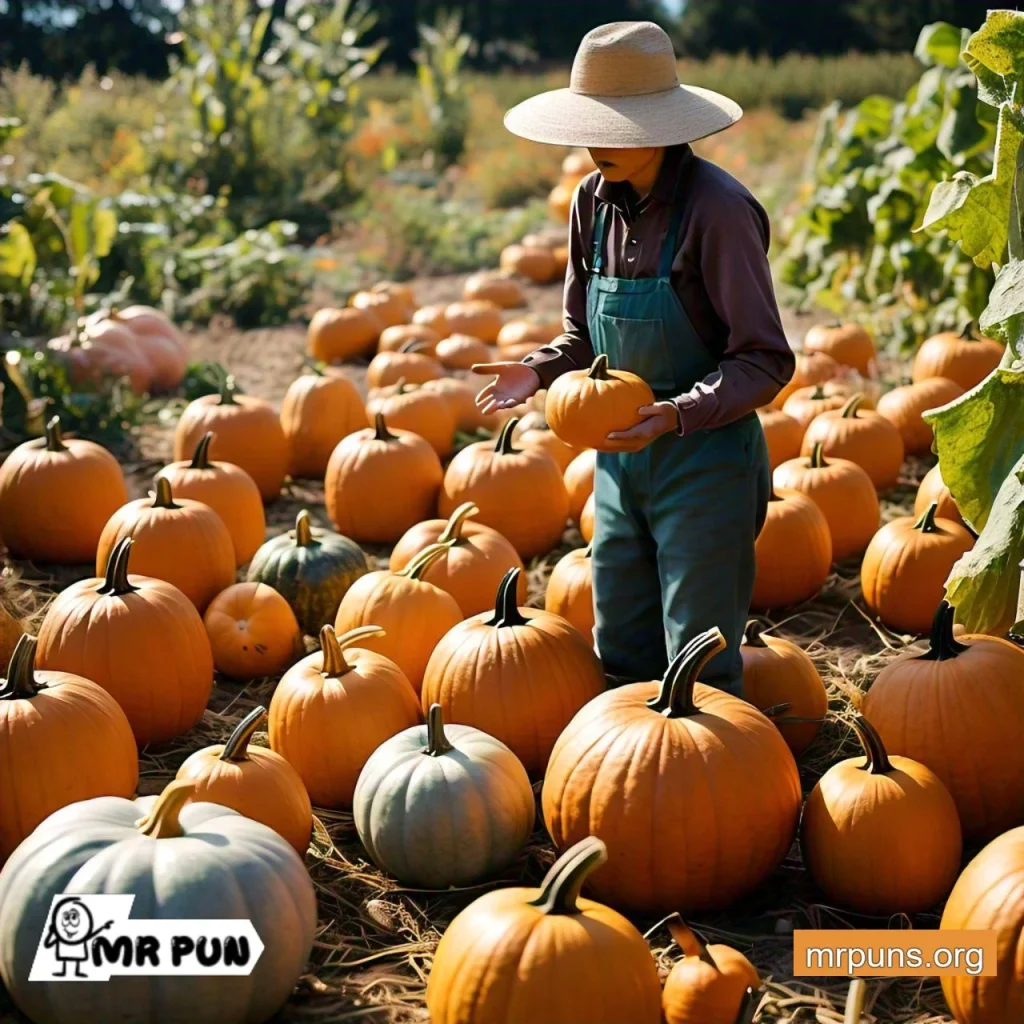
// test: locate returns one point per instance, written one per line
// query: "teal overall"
(675, 523)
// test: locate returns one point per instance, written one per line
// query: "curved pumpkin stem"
(926, 521)
(20, 683)
(942, 644)
(689, 941)
(115, 581)
(503, 446)
(853, 404)
(228, 390)
(506, 607)
(818, 395)
(452, 533)
(162, 821)
(970, 331)
(413, 345)
(54, 438)
(333, 648)
(201, 456)
(236, 749)
(164, 498)
(874, 749)
(818, 456)
(599, 368)
(752, 634)
(561, 886)
(588, 551)
(676, 697)
(303, 530)
(437, 742)
(423, 561)
(380, 429)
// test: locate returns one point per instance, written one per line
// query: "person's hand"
(513, 384)
(656, 419)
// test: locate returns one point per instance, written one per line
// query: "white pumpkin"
(437, 807)
(198, 861)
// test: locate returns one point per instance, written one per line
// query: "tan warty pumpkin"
(385, 306)
(966, 358)
(156, 339)
(478, 317)
(677, 736)
(903, 408)
(103, 351)
(337, 335)
(495, 286)
(412, 363)
(570, 590)
(782, 434)
(932, 489)
(474, 564)
(811, 368)
(579, 482)
(393, 338)
(462, 351)
(847, 344)
(417, 409)
(535, 263)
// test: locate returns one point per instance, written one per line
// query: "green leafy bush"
(442, 49)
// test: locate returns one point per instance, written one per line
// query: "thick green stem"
(115, 580)
(453, 530)
(874, 748)
(818, 456)
(380, 429)
(503, 446)
(853, 404)
(303, 530)
(437, 742)
(599, 368)
(423, 561)
(561, 886)
(162, 821)
(942, 644)
(926, 521)
(335, 664)
(506, 607)
(20, 682)
(54, 440)
(236, 749)
(676, 697)
(201, 456)
(164, 498)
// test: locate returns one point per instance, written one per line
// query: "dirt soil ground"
(375, 941)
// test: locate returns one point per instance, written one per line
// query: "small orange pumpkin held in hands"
(776, 672)
(677, 736)
(584, 406)
(228, 490)
(867, 813)
(811, 368)
(933, 489)
(334, 708)
(579, 481)
(56, 496)
(903, 575)
(254, 781)
(959, 709)
(183, 542)
(709, 984)
(338, 335)
(62, 739)
(989, 896)
(862, 436)
(793, 551)
(782, 434)
(570, 590)
(516, 940)
(904, 407)
(966, 358)
(844, 493)
(847, 344)
(253, 632)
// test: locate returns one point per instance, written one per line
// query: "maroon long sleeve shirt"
(720, 274)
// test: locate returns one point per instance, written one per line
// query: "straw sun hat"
(624, 93)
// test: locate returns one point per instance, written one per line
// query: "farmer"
(668, 276)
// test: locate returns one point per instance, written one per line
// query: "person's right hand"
(513, 384)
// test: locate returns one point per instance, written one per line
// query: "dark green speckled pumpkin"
(311, 569)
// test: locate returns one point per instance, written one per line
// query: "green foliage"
(442, 49)
(980, 437)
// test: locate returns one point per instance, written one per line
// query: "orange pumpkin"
(989, 896)
(402, 292)
(56, 496)
(460, 395)
(474, 564)
(520, 492)
(587, 519)
(338, 335)
(156, 340)
(570, 590)
(904, 406)
(12, 630)
(246, 431)
(579, 481)
(903, 575)
(526, 335)
(478, 317)
(494, 286)
(333, 709)
(777, 672)
(101, 629)
(432, 315)
(560, 201)
(410, 363)
(418, 410)
(578, 164)
(181, 541)
(932, 489)
(381, 482)
(498, 958)
(253, 632)
(62, 739)
(319, 409)
(228, 490)
(793, 552)
(254, 781)
(547, 440)
(387, 307)
(811, 368)
(966, 358)
(583, 406)
(518, 674)
(860, 436)
(535, 263)
(808, 403)
(863, 813)
(782, 434)
(741, 784)
(959, 709)
(462, 352)
(844, 493)
(847, 344)
(709, 984)
(393, 338)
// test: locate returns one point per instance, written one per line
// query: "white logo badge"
(92, 938)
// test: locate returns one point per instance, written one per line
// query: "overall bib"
(675, 523)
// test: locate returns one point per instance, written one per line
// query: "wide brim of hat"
(566, 118)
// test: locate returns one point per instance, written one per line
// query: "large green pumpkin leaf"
(939, 44)
(1003, 318)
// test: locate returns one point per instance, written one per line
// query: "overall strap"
(668, 248)
(599, 240)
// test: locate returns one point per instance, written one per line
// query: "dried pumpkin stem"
(380, 429)
(599, 368)
(164, 498)
(689, 941)
(228, 390)
(676, 697)
(54, 438)
(926, 521)
(303, 530)
(853, 404)
(437, 742)
(752, 633)
(414, 345)
(162, 821)
(423, 561)
(561, 886)
(506, 607)
(236, 749)
(115, 581)
(874, 749)
(201, 456)
(453, 530)
(942, 644)
(818, 456)
(503, 446)
(333, 647)
(20, 683)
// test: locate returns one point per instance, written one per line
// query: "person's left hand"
(656, 419)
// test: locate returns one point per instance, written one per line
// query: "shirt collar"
(667, 188)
